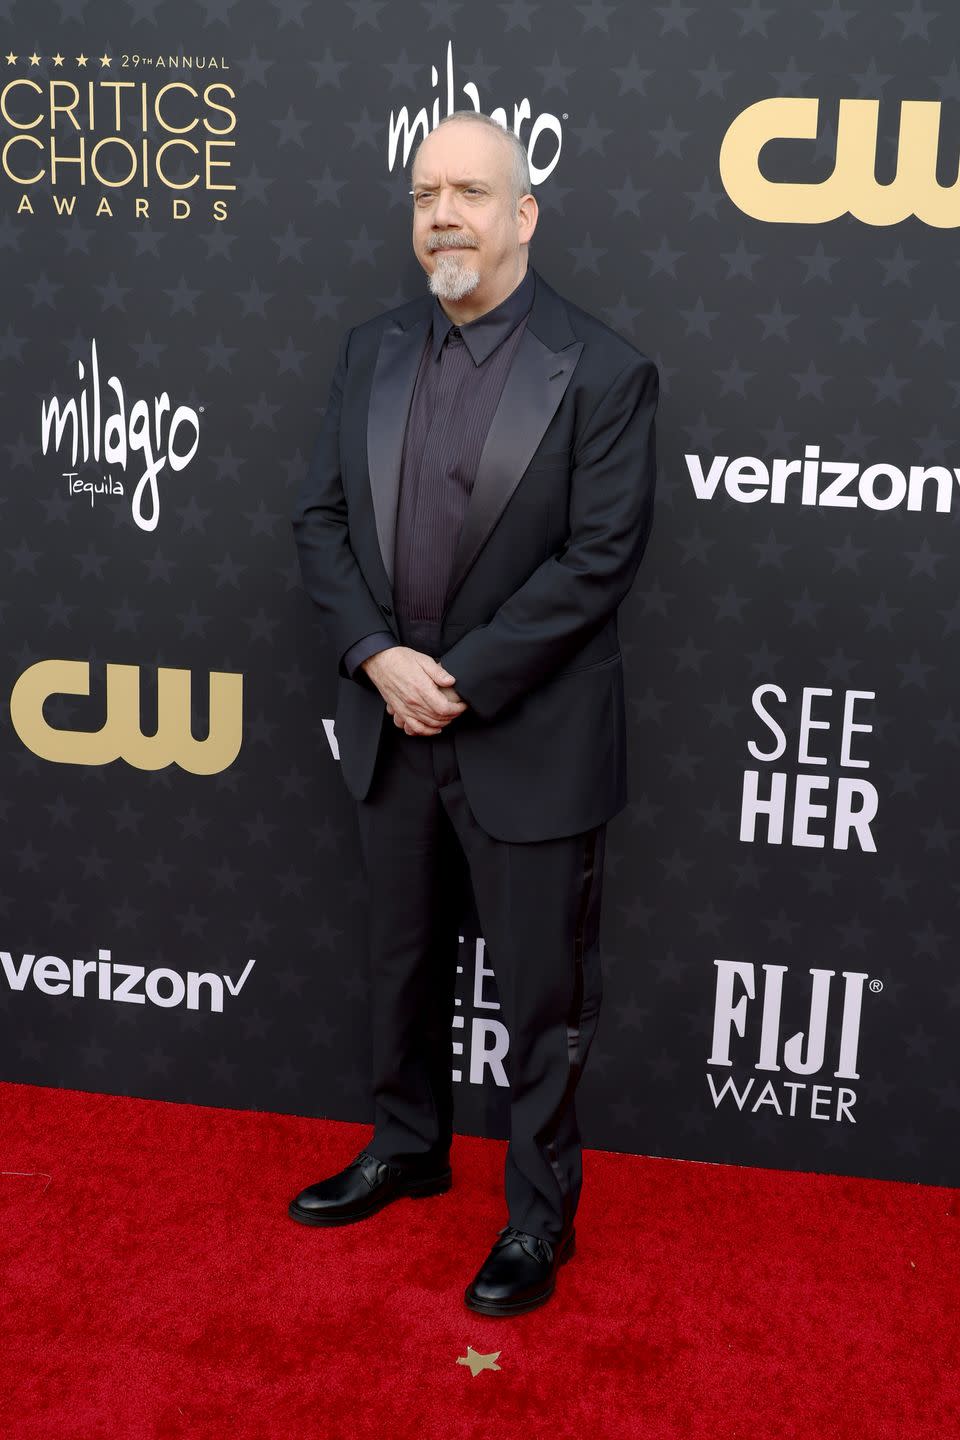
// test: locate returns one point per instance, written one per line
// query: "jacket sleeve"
(571, 595)
(331, 576)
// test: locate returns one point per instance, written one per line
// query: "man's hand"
(417, 690)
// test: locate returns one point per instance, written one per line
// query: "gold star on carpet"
(478, 1362)
(34, 59)
(104, 59)
(82, 59)
(10, 58)
(58, 59)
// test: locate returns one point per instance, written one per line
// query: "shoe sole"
(415, 1189)
(520, 1307)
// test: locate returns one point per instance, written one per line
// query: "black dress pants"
(538, 904)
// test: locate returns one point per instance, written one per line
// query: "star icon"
(478, 1362)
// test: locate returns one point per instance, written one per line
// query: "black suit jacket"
(554, 532)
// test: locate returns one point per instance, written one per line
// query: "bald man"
(475, 511)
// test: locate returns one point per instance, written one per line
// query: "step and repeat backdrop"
(196, 200)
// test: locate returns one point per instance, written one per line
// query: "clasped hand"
(419, 693)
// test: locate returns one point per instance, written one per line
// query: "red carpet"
(153, 1286)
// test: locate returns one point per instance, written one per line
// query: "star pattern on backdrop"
(768, 339)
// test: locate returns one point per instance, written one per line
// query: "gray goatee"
(451, 278)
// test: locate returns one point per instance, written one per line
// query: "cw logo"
(120, 736)
(853, 185)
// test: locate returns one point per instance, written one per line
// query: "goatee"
(451, 278)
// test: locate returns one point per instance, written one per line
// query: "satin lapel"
(535, 386)
(394, 376)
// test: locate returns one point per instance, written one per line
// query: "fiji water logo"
(751, 1037)
(543, 142)
(101, 426)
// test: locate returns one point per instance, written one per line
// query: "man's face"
(467, 229)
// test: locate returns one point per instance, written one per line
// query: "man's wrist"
(370, 645)
(367, 664)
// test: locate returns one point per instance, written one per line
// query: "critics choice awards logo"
(149, 141)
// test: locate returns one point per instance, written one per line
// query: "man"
(475, 510)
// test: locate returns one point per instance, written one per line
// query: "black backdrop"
(186, 920)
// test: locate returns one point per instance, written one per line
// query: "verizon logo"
(107, 979)
(837, 484)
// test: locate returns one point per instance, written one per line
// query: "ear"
(527, 213)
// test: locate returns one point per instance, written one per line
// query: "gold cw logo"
(853, 185)
(120, 736)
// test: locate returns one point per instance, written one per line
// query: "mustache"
(449, 241)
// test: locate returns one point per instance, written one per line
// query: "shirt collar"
(483, 335)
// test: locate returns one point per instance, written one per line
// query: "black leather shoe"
(363, 1188)
(519, 1273)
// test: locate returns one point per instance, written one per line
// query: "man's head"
(473, 214)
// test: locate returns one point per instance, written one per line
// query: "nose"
(445, 214)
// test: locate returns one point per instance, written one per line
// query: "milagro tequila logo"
(544, 141)
(143, 433)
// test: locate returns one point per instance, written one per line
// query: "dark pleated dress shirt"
(461, 377)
